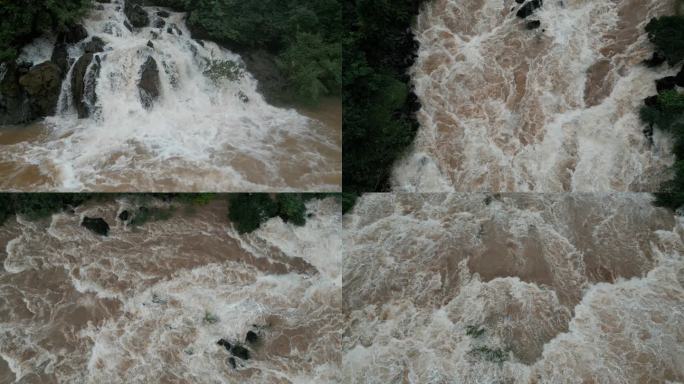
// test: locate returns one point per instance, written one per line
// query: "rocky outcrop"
(60, 57)
(73, 34)
(666, 84)
(240, 351)
(43, 84)
(14, 104)
(533, 24)
(83, 83)
(163, 14)
(529, 8)
(159, 23)
(149, 84)
(97, 225)
(124, 216)
(136, 14)
(656, 60)
(262, 65)
(251, 337)
(95, 45)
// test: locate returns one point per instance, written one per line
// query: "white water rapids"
(201, 135)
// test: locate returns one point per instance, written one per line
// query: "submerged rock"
(224, 343)
(651, 101)
(95, 45)
(128, 25)
(529, 8)
(136, 15)
(240, 351)
(655, 60)
(159, 23)
(149, 44)
(97, 225)
(232, 363)
(252, 337)
(533, 24)
(43, 84)
(149, 84)
(124, 215)
(83, 83)
(163, 14)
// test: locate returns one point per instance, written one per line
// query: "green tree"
(667, 33)
(291, 208)
(248, 210)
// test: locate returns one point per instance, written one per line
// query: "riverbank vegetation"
(665, 111)
(21, 21)
(379, 121)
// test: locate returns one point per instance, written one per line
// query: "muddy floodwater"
(148, 304)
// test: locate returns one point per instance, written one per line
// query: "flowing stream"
(148, 304)
(557, 288)
(507, 109)
(209, 130)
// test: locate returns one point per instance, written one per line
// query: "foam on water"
(200, 135)
(420, 269)
(148, 304)
(554, 109)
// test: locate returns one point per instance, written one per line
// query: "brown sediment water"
(555, 109)
(148, 304)
(201, 134)
(570, 288)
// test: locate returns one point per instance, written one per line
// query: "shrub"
(291, 208)
(248, 210)
(667, 33)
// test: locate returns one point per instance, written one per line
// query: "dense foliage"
(667, 111)
(303, 35)
(34, 206)
(379, 107)
(21, 21)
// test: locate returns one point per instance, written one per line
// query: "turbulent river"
(513, 288)
(148, 304)
(203, 134)
(554, 109)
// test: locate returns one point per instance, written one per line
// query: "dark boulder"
(533, 24)
(124, 215)
(95, 45)
(163, 14)
(60, 56)
(529, 8)
(43, 84)
(224, 343)
(97, 225)
(83, 82)
(651, 101)
(174, 29)
(159, 23)
(14, 104)
(128, 25)
(73, 34)
(666, 84)
(136, 15)
(519, 1)
(232, 363)
(240, 351)
(149, 84)
(252, 337)
(656, 60)
(244, 98)
(149, 44)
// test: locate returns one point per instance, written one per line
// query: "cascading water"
(208, 128)
(508, 109)
(513, 288)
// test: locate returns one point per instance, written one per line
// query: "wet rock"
(679, 78)
(97, 225)
(529, 8)
(149, 44)
(163, 14)
(83, 83)
(519, 1)
(104, 1)
(252, 337)
(263, 66)
(174, 29)
(124, 215)
(224, 343)
(99, 7)
(60, 56)
(240, 351)
(154, 35)
(232, 363)
(14, 104)
(128, 25)
(136, 15)
(533, 24)
(666, 84)
(241, 95)
(149, 84)
(43, 84)
(159, 23)
(73, 34)
(656, 60)
(95, 45)
(651, 101)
